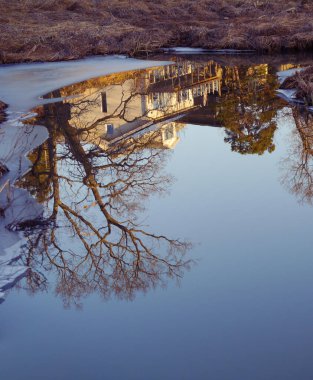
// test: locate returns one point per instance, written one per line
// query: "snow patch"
(282, 75)
(189, 50)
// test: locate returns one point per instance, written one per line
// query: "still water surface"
(175, 230)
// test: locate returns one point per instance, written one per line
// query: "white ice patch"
(189, 50)
(289, 95)
(10, 272)
(282, 75)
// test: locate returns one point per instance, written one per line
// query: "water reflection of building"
(115, 108)
(155, 98)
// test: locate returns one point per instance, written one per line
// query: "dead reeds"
(36, 30)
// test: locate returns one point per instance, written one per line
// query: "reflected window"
(156, 100)
(104, 107)
(169, 132)
(110, 129)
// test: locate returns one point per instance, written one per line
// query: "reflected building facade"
(153, 99)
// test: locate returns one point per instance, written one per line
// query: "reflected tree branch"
(92, 238)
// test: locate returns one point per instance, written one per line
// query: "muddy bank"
(63, 30)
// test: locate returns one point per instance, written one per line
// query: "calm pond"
(161, 227)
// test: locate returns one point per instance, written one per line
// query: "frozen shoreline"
(290, 94)
(22, 87)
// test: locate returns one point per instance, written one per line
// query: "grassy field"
(49, 30)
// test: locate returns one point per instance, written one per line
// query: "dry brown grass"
(303, 82)
(33, 30)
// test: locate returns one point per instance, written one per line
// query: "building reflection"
(239, 98)
(147, 100)
(109, 140)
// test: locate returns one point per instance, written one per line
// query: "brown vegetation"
(302, 81)
(35, 30)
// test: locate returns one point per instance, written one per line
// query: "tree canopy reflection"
(249, 108)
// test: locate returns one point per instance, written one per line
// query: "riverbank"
(54, 30)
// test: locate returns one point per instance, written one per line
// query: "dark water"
(175, 241)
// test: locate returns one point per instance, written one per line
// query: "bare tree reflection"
(298, 166)
(92, 238)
